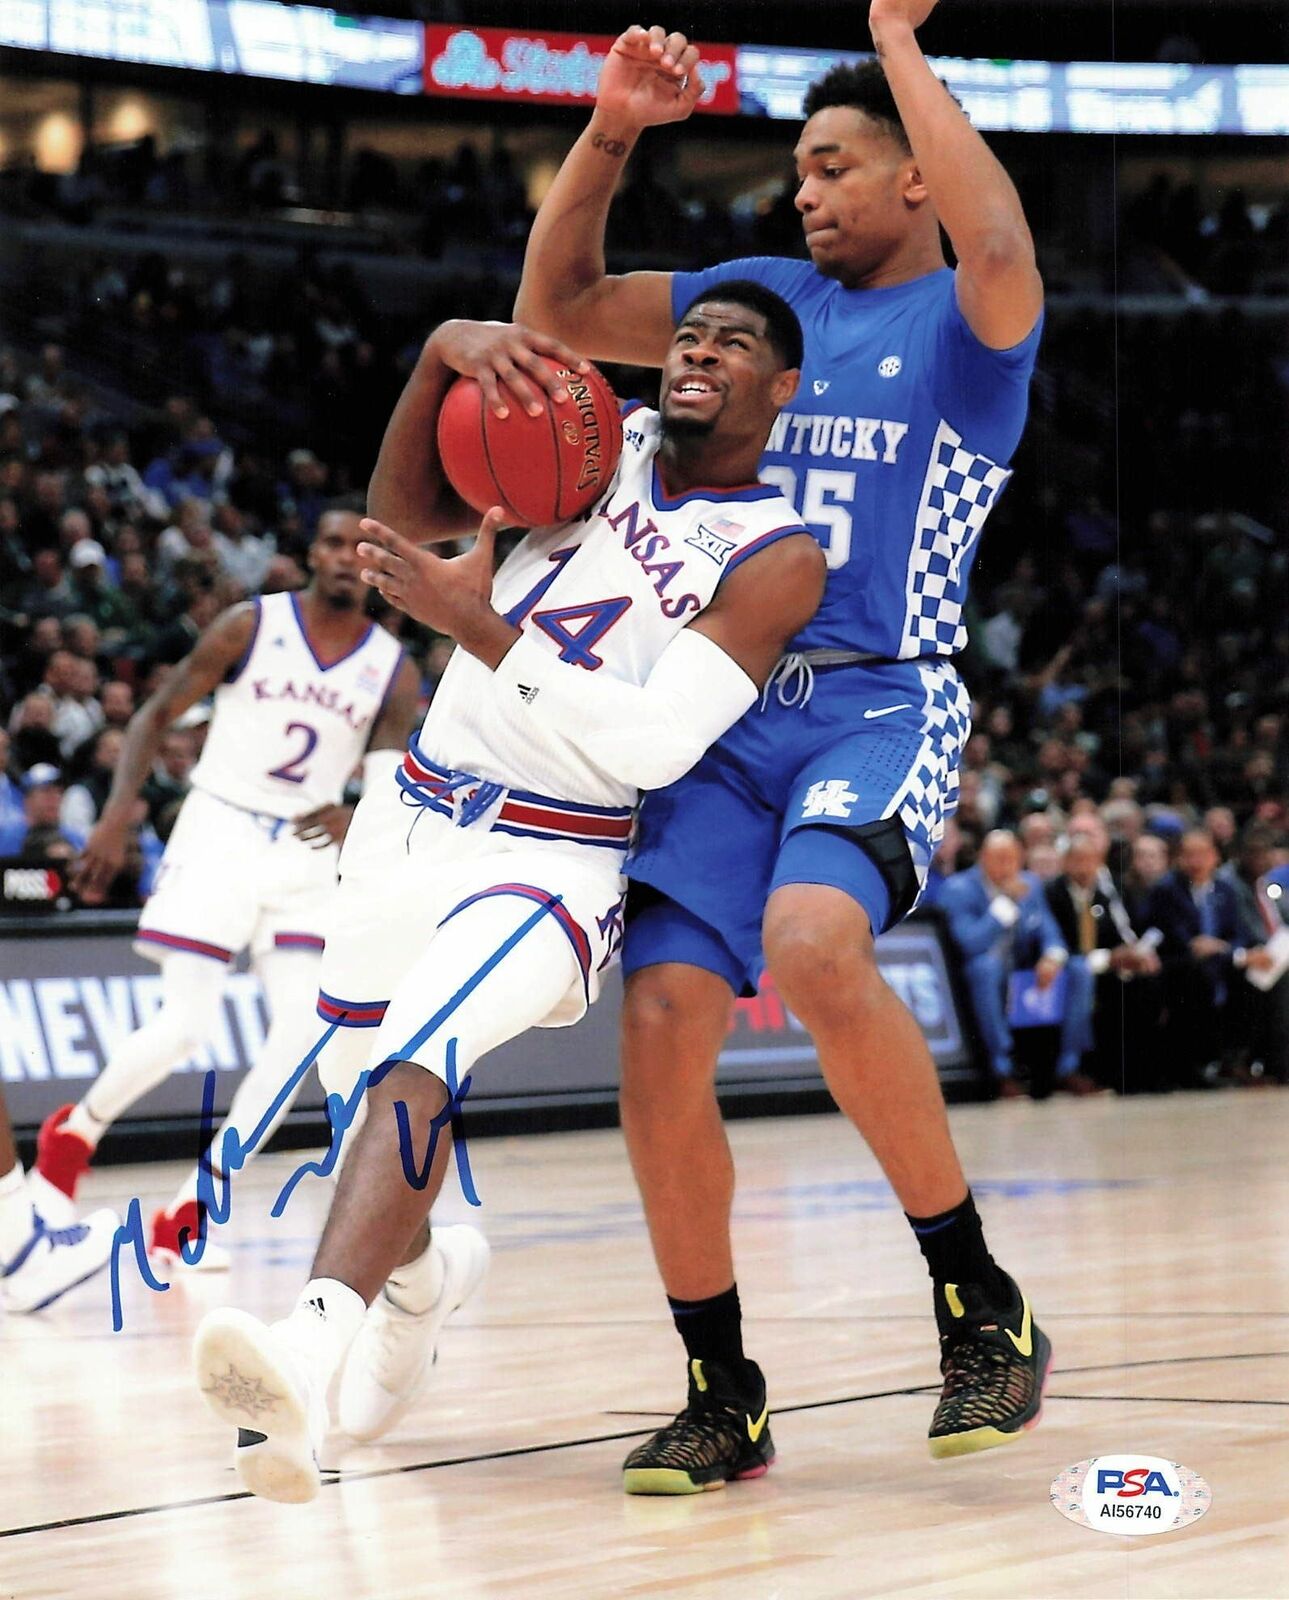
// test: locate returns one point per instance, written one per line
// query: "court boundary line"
(332, 1476)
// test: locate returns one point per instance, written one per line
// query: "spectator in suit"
(1204, 948)
(1264, 913)
(1148, 867)
(1000, 922)
(1104, 954)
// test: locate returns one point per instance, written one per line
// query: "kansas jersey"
(894, 450)
(287, 731)
(607, 592)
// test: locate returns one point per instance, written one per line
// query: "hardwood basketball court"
(1149, 1234)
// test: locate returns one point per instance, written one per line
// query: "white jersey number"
(817, 508)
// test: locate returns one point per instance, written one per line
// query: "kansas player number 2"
(292, 770)
(824, 503)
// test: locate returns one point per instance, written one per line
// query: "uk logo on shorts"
(831, 798)
(1131, 1494)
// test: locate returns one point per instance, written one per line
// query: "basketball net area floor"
(1149, 1234)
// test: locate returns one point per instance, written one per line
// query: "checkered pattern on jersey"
(930, 792)
(958, 493)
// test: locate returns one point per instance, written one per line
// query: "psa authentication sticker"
(1131, 1494)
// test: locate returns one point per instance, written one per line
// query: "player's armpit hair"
(646, 734)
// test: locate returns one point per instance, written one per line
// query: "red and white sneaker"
(62, 1158)
(164, 1240)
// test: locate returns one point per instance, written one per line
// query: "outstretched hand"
(649, 77)
(450, 594)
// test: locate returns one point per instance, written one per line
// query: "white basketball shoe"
(390, 1360)
(56, 1260)
(250, 1378)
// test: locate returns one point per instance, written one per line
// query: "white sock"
(417, 1285)
(85, 1125)
(15, 1213)
(327, 1316)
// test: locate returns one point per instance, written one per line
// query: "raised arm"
(213, 657)
(408, 489)
(999, 289)
(649, 77)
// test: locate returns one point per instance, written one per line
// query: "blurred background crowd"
(201, 339)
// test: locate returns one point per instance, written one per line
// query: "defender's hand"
(451, 595)
(505, 361)
(649, 77)
(323, 827)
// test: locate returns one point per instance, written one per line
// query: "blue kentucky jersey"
(893, 450)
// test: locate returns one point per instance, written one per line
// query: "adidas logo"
(527, 693)
(316, 1305)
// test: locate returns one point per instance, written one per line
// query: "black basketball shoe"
(994, 1360)
(722, 1433)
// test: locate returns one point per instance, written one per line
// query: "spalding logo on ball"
(543, 469)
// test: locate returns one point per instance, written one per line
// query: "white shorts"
(234, 880)
(406, 871)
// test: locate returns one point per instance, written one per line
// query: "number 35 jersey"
(605, 593)
(287, 730)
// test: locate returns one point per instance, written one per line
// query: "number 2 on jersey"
(825, 503)
(292, 770)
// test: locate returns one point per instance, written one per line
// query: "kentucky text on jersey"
(859, 438)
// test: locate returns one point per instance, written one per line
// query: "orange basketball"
(543, 469)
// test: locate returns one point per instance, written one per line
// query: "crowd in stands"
(1130, 642)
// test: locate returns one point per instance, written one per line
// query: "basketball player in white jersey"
(481, 892)
(303, 684)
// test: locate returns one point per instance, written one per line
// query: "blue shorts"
(787, 796)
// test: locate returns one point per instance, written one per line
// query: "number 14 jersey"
(607, 592)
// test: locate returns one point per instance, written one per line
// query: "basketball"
(542, 469)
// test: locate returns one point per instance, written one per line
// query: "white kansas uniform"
(492, 819)
(287, 731)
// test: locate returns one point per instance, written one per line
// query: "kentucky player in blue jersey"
(808, 829)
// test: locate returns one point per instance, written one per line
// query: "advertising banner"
(527, 65)
(66, 999)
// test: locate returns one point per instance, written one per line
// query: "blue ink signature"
(342, 1111)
